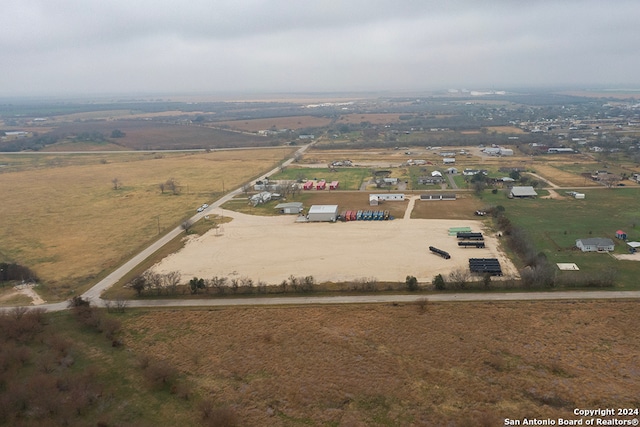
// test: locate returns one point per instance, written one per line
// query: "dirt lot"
(456, 364)
(271, 249)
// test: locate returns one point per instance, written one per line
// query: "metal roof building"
(523, 192)
(289, 208)
(323, 213)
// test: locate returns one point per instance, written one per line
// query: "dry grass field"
(293, 122)
(68, 224)
(451, 364)
(375, 119)
(562, 178)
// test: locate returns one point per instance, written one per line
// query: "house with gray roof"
(595, 244)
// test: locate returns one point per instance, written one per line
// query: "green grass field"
(555, 224)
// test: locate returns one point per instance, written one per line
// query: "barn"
(595, 244)
(522, 192)
(323, 213)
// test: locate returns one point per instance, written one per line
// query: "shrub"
(412, 283)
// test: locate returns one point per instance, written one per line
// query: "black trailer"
(466, 235)
(440, 252)
(475, 244)
(485, 265)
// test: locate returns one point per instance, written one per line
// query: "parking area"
(271, 249)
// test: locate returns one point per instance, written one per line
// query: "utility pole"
(158, 218)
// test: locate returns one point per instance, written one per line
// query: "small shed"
(621, 235)
(334, 185)
(373, 200)
(289, 208)
(452, 170)
(323, 213)
(307, 185)
(321, 185)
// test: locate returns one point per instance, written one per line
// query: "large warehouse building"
(323, 213)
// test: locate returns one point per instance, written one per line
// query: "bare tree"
(172, 280)
(117, 184)
(458, 278)
(186, 225)
(173, 185)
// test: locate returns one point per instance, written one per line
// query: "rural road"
(369, 299)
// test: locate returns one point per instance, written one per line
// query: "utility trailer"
(471, 244)
(440, 252)
(469, 235)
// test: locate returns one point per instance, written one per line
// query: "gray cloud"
(87, 46)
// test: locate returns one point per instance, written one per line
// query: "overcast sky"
(57, 47)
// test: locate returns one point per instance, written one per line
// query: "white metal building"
(323, 213)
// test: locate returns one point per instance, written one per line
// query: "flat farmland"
(458, 364)
(154, 135)
(292, 122)
(375, 119)
(69, 225)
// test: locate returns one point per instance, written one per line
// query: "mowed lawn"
(555, 224)
(69, 225)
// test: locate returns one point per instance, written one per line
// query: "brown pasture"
(152, 135)
(562, 178)
(376, 119)
(69, 225)
(293, 122)
(401, 364)
(505, 129)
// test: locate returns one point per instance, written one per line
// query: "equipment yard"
(271, 249)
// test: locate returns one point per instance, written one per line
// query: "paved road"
(369, 299)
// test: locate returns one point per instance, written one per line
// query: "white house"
(595, 244)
